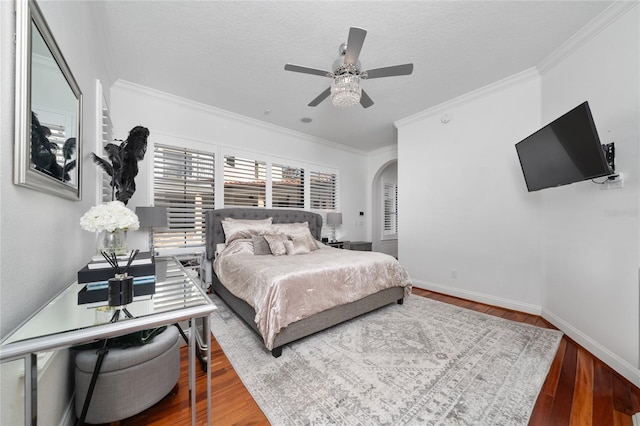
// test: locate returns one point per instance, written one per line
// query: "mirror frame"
(28, 12)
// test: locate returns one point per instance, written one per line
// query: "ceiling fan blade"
(365, 100)
(354, 45)
(306, 70)
(404, 69)
(321, 97)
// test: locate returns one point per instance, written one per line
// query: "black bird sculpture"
(122, 166)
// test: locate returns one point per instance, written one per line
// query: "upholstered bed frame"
(304, 327)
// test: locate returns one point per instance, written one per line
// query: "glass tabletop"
(175, 291)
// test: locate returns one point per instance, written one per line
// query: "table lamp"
(152, 217)
(334, 219)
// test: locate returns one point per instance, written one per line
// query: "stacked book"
(94, 277)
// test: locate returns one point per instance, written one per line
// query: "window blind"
(56, 136)
(322, 190)
(245, 182)
(287, 186)
(184, 182)
(390, 209)
(107, 136)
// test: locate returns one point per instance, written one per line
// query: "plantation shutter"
(244, 182)
(107, 136)
(287, 186)
(390, 209)
(184, 181)
(322, 190)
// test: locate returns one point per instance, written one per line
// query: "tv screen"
(565, 151)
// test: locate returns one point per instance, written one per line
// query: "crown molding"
(393, 149)
(128, 86)
(497, 86)
(594, 27)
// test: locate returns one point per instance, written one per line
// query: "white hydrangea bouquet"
(109, 216)
(111, 221)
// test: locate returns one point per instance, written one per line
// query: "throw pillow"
(276, 243)
(297, 246)
(297, 230)
(245, 228)
(260, 245)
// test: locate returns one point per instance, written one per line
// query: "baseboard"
(623, 367)
(479, 297)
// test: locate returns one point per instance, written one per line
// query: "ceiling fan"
(346, 74)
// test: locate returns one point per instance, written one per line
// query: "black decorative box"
(97, 292)
(143, 265)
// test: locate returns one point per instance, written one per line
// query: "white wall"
(468, 225)
(171, 119)
(590, 236)
(42, 245)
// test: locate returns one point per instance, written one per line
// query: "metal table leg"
(31, 389)
(192, 375)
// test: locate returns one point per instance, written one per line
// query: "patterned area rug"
(421, 363)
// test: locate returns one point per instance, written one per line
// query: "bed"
(273, 293)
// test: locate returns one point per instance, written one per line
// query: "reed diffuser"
(120, 292)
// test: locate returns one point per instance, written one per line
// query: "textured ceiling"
(231, 54)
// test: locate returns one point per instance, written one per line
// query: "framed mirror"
(48, 150)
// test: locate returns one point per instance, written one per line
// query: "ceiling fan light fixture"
(345, 90)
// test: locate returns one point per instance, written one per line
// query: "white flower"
(109, 217)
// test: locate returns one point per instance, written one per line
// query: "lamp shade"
(334, 218)
(152, 217)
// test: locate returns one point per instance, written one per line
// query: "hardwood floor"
(580, 390)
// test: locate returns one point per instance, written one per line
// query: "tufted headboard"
(215, 233)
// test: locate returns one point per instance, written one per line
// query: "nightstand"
(339, 244)
(360, 245)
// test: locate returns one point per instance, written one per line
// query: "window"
(322, 190)
(245, 182)
(106, 191)
(390, 209)
(183, 181)
(287, 186)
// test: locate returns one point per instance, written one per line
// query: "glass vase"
(112, 242)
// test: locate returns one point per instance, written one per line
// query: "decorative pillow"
(245, 228)
(297, 246)
(276, 243)
(260, 245)
(288, 246)
(297, 230)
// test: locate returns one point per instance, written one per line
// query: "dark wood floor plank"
(541, 411)
(602, 394)
(621, 395)
(551, 383)
(561, 410)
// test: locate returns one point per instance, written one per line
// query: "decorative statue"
(43, 152)
(123, 165)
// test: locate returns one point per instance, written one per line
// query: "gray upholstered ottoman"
(131, 380)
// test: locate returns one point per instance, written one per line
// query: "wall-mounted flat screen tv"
(565, 151)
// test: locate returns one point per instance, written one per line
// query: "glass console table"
(62, 323)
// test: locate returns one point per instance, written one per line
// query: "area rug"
(421, 363)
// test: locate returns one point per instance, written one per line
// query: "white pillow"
(297, 246)
(245, 228)
(299, 230)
